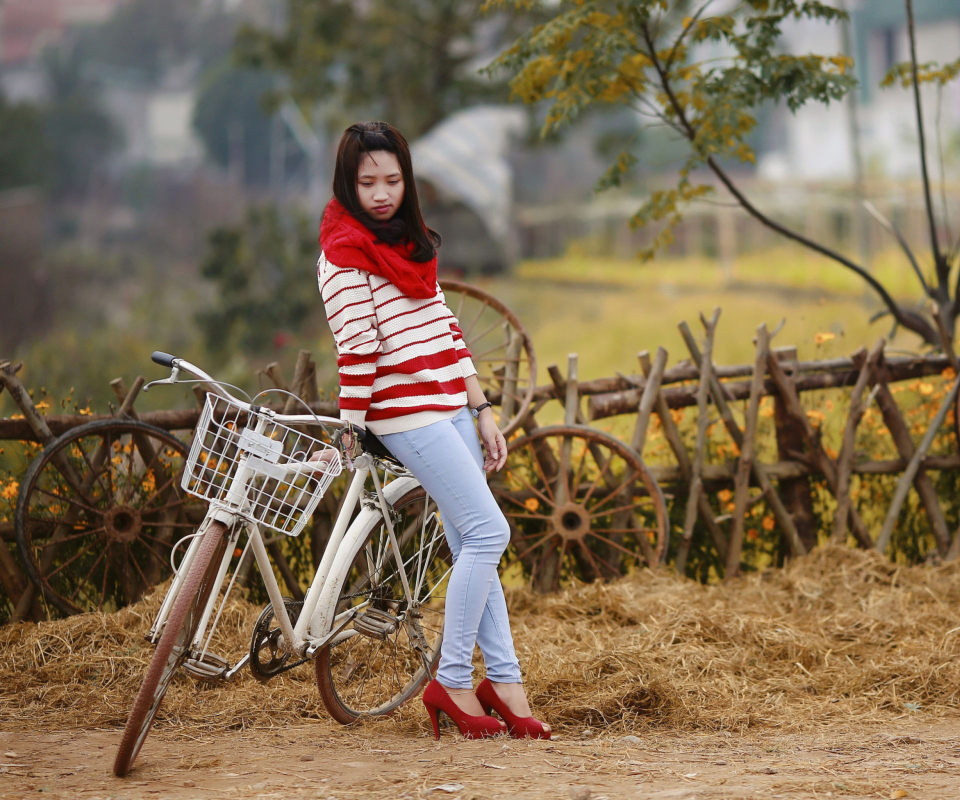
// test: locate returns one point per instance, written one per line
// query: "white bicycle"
(372, 619)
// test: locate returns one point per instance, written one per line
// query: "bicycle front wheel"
(174, 645)
(392, 643)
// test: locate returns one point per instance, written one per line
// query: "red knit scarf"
(347, 242)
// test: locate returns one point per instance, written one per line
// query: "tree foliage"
(23, 147)
(144, 38)
(262, 287)
(230, 104)
(411, 62)
(641, 53)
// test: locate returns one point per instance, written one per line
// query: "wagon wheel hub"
(122, 524)
(571, 522)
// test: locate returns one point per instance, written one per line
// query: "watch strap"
(476, 411)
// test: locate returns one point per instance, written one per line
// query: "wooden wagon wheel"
(502, 351)
(581, 504)
(98, 511)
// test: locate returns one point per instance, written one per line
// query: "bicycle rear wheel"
(390, 648)
(174, 645)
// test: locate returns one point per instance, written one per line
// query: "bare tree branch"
(888, 226)
(943, 269)
(904, 317)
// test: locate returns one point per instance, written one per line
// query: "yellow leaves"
(533, 82)
(816, 416)
(633, 66)
(9, 492)
(842, 63)
(926, 389)
(745, 153)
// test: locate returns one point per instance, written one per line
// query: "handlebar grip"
(163, 359)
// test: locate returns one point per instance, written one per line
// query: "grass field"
(607, 310)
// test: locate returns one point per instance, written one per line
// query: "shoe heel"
(433, 713)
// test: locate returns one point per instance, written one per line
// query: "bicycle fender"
(353, 540)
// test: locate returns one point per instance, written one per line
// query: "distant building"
(27, 26)
(816, 143)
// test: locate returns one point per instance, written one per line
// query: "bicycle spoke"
(65, 539)
(612, 543)
(616, 492)
(614, 570)
(476, 319)
(536, 544)
(72, 502)
(617, 510)
(70, 560)
(86, 577)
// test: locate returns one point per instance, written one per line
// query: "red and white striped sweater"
(402, 360)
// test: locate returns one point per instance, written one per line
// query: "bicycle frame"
(316, 626)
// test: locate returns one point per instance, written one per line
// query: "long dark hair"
(406, 226)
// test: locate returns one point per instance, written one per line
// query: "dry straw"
(837, 637)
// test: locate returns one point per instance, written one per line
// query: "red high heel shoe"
(519, 727)
(436, 699)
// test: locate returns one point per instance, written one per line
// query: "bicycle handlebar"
(181, 365)
(163, 359)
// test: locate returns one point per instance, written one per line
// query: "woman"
(407, 377)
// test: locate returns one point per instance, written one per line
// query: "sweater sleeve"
(348, 302)
(463, 354)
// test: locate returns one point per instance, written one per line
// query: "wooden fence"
(658, 389)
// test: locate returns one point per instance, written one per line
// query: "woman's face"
(380, 185)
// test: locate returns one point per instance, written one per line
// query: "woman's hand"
(493, 442)
(324, 457)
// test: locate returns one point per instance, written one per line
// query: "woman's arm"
(493, 441)
(348, 302)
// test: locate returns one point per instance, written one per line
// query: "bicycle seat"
(373, 445)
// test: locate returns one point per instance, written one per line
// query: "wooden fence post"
(741, 483)
(903, 486)
(845, 457)
(759, 471)
(817, 456)
(672, 435)
(703, 419)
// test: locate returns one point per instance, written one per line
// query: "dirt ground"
(907, 758)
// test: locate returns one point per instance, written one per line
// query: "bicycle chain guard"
(264, 643)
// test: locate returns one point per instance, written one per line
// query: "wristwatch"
(476, 411)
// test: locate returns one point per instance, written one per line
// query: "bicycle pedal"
(209, 668)
(376, 624)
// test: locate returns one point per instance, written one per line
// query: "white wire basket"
(286, 471)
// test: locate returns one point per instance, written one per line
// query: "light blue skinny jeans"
(447, 460)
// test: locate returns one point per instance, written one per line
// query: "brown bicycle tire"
(180, 628)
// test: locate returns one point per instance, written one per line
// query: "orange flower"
(753, 534)
(768, 522)
(820, 338)
(531, 504)
(724, 495)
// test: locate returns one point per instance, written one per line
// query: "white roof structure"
(465, 158)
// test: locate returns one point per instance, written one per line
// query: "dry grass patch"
(837, 637)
